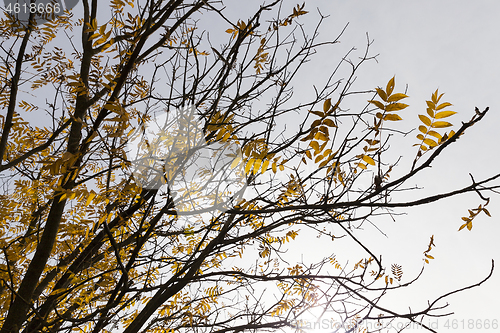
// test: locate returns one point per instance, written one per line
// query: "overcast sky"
(453, 46)
(446, 44)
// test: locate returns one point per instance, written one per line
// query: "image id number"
(41, 8)
(472, 324)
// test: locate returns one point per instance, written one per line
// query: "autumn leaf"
(444, 114)
(396, 106)
(425, 120)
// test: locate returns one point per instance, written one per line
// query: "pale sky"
(450, 45)
(453, 46)
(445, 44)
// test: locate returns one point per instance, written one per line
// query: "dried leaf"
(441, 124)
(396, 106)
(430, 142)
(396, 97)
(443, 105)
(435, 134)
(321, 136)
(430, 112)
(316, 123)
(392, 117)
(444, 114)
(377, 104)
(390, 86)
(368, 160)
(329, 122)
(235, 163)
(434, 97)
(327, 104)
(425, 119)
(314, 145)
(431, 105)
(265, 165)
(318, 113)
(382, 94)
(249, 165)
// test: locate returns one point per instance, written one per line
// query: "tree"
(103, 228)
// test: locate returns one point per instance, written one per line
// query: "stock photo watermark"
(169, 150)
(333, 326)
(42, 10)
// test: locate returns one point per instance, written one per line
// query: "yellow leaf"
(90, 197)
(249, 165)
(430, 112)
(235, 162)
(425, 120)
(314, 145)
(322, 164)
(316, 123)
(430, 142)
(264, 166)
(274, 167)
(392, 117)
(368, 160)
(469, 225)
(102, 29)
(329, 122)
(422, 129)
(396, 106)
(112, 107)
(441, 124)
(390, 86)
(434, 97)
(327, 104)
(377, 104)
(321, 136)
(256, 166)
(318, 113)
(444, 114)
(396, 97)
(435, 134)
(362, 166)
(443, 105)
(420, 136)
(63, 197)
(431, 105)
(382, 94)
(324, 129)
